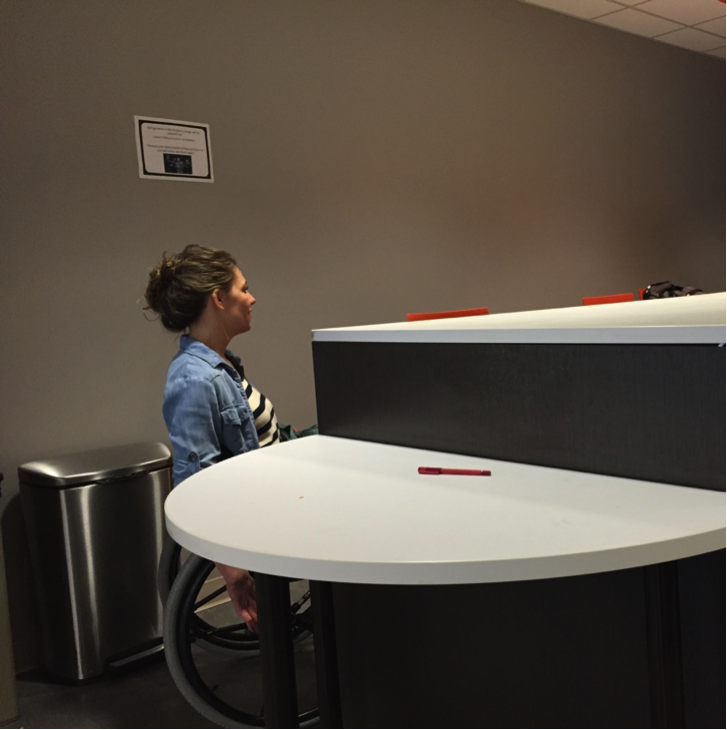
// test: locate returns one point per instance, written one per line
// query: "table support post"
(666, 684)
(276, 651)
(324, 633)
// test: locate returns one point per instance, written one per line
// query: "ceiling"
(697, 25)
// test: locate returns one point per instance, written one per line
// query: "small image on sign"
(178, 164)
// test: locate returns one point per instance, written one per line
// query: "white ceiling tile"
(650, 18)
(688, 12)
(716, 26)
(694, 40)
(580, 8)
(634, 21)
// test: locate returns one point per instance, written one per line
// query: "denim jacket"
(205, 409)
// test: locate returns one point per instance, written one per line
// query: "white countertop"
(683, 320)
(354, 511)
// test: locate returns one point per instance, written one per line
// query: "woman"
(210, 409)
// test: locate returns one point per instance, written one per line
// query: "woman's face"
(238, 303)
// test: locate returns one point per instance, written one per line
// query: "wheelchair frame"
(183, 628)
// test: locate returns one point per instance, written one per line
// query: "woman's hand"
(241, 589)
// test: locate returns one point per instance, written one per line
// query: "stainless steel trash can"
(95, 524)
(8, 693)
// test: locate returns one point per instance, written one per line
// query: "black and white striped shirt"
(266, 424)
(263, 413)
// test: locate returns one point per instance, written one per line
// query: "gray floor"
(146, 697)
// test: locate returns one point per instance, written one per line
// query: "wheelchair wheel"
(234, 638)
(225, 689)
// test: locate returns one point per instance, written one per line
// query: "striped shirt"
(266, 424)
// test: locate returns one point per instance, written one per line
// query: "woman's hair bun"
(167, 268)
(161, 277)
(179, 286)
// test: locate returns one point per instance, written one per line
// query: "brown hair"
(178, 288)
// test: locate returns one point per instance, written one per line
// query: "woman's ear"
(216, 299)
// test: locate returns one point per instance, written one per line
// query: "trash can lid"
(98, 465)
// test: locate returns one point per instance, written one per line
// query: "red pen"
(462, 472)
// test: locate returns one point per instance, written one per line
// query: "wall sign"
(172, 150)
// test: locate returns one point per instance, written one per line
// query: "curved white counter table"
(333, 509)
(336, 510)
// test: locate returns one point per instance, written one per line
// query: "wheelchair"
(209, 650)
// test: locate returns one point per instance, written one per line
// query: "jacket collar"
(196, 348)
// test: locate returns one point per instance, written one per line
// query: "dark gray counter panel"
(653, 412)
(565, 652)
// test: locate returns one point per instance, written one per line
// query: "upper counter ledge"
(685, 320)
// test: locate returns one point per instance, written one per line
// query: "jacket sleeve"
(193, 418)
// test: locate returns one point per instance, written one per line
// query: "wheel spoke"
(295, 607)
(209, 598)
(223, 630)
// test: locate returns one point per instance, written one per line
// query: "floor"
(145, 696)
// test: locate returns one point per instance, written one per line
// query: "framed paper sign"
(172, 150)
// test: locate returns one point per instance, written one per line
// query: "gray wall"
(371, 158)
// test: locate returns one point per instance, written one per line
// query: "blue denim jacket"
(205, 409)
